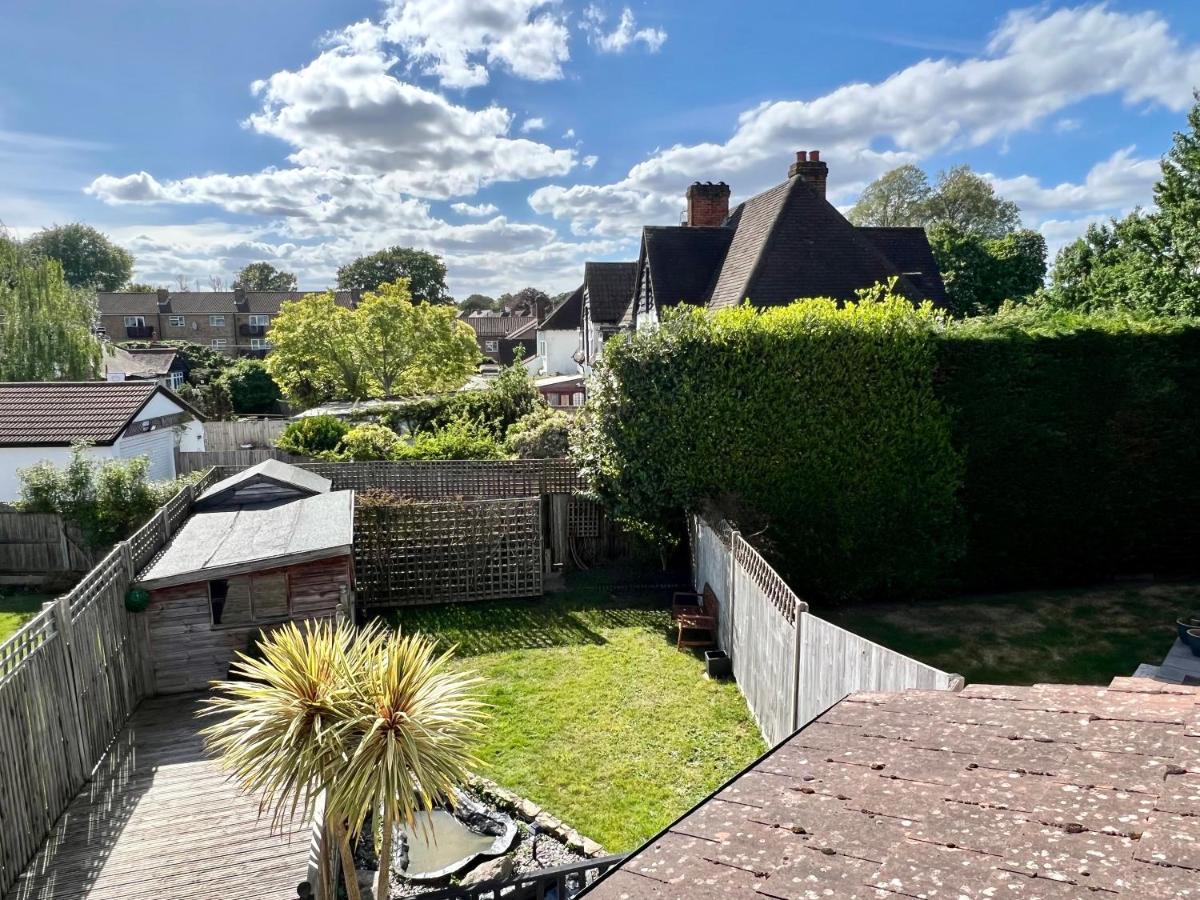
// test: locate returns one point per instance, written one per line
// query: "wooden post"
(801, 612)
(72, 730)
(64, 548)
(559, 533)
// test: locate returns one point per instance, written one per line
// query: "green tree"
(88, 258)
(251, 387)
(262, 276)
(140, 287)
(981, 273)
(425, 272)
(967, 202)
(895, 198)
(45, 325)
(528, 301)
(387, 345)
(478, 302)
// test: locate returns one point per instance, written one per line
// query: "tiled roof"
(568, 315)
(39, 414)
(498, 326)
(609, 288)
(128, 304)
(528, 330)
(1048, 791)
(683, 261)
(184, 303)
(908, 249)
(752, 222)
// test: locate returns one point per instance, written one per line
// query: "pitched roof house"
(1049, 791)
(161, 365)
(559, 337)
(123, 419)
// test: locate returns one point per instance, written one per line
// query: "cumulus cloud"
(1113, 185)
(535, 123)
(476, 210)
(623, 36)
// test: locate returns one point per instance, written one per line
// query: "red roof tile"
(39, 414)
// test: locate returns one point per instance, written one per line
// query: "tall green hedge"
(813, 425)
(876, 450)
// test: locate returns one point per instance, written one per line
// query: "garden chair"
(698, 626)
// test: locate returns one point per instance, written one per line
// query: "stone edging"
(532, 814)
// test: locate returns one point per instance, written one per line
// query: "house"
(162, 365)
(235, 322)
(607, 305)
(120, 419)
(268, 546)
(1049, 791)
(499, 336)
(565, 392)
(559, 337)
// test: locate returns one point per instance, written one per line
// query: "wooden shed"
(230, 573)
(270, 481)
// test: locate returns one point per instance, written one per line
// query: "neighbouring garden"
(595, 714)
(18, 606)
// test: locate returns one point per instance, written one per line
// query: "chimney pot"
(707, 204)
(801, 156)
(810, 167)
(815, 156)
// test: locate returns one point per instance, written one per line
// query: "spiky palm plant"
(413, 724)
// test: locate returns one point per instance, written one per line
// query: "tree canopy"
(477, 302)
(45, 325)
(895, 198)
(262, 276)
(528, 301)
(424, 272)
(386, 346)
(88, 258)
(981, 273)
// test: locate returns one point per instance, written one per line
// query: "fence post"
(734, 538)
(64, 548)
(801, 612)
(73, 732)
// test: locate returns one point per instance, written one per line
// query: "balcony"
(139, 332)
(253, 352)
(252, 330)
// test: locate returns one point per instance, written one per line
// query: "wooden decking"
(160, 821)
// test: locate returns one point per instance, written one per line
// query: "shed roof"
(59, 413)
(223, 543)
(269, 471)
(1026, 792)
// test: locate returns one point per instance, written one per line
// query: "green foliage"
(262, 276)
(45, 325)
(210, 397)
(960, 200)
(367, 442)
(820, 420)
(981, 273)
(140, 287)
(477, 302)
(424, 272)
(312, 435)
(511, 396)
(107, 499)
(528, 301)
(250, 386)
(88, 258)
(458, 439)
(895, 198)
(542, 434)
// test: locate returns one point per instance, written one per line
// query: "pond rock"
(499, 869)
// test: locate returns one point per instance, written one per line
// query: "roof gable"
(271, 481)
(751, 222)
(609, 288)
(568, 315)
(57, 414)
(908, 249)
(682, 261)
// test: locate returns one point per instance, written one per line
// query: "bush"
(251, 387)
(543, 434)
(822, 420)
(369, 442)
(312, 435)
(509, 398)
(461, 439)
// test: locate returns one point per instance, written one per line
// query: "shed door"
(159, 446)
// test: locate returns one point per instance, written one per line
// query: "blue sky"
(519, 139)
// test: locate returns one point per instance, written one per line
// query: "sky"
(518, 139)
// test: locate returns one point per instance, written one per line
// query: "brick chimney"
(707, 204)
(808, 166)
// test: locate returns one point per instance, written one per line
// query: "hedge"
(876, 450)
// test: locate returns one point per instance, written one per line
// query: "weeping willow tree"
(45, 325)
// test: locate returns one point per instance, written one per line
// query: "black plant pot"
(717, 664)
(1193, 640)
(1184, 624)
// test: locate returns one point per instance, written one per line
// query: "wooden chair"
(686, 602)
(698, 627)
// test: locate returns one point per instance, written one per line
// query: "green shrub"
(312, 435)
(251, 387)
(368, 442)
(542, 434)
(821, 421)
(510, 396)
(460, 439)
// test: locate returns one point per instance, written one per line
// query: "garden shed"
(269, 482)
(232, 572)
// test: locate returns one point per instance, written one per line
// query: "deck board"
(160, 820)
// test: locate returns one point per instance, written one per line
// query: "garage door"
(158, 446)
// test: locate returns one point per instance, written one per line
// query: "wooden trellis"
(447, 551)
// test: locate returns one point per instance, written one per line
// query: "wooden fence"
(231, 460)
(789, 664)
(69, 678)
(448, 551)
(39, 544)
(224, 436)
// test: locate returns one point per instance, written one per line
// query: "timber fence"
(790, 664)
(39, 544)
(224, 436)
(69, 678)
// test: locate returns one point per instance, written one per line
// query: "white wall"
(561, 345)
(157, 446)
(14, 458)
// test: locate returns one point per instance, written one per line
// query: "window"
(491, 346)
(260, 320)
(217, 321)
(260, 344)
(229, 601)
(178, 321)
(174, 380)
(217, 343)
(541, 346)
(135, 321)
(577, 398)
(247, 599)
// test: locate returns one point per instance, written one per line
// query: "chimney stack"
(707, 204)
(164, 300)
(808, 166)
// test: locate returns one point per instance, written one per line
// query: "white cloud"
(535, 123)
(1036, 64)
(623, 36)
(476, 210)
(457, 40)
(1114, 185)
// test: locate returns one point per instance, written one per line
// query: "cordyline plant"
(374, 720)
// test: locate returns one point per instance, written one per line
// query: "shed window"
(270, 597)
(229, 599)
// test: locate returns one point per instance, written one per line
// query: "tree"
(140, 287)
(45, 325)
(477, 302)
(251, 387)
(386, 346)
(526, 302)
(426, 273)
(262, 276)
(898, 197)
(981, 273)
(964, 200)
(88, 258)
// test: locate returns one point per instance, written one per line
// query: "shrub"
(251, 387)
(511, 396)
(312, 435)
(368, 442)
(542, 434)
(460, 439)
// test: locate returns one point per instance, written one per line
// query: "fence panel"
(224, 436)
(712, 565)
(39, 543)
(447, 551)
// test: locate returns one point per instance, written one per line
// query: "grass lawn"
(596, 716)
(16, 608)
(1077, 636)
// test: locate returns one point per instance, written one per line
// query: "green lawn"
(1077, 636)
(596, 716)
(17, 608)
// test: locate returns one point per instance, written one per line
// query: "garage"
(158, 446)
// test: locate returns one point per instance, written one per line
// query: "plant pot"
(717, 664)
(1184, 624)
(1193, 639)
